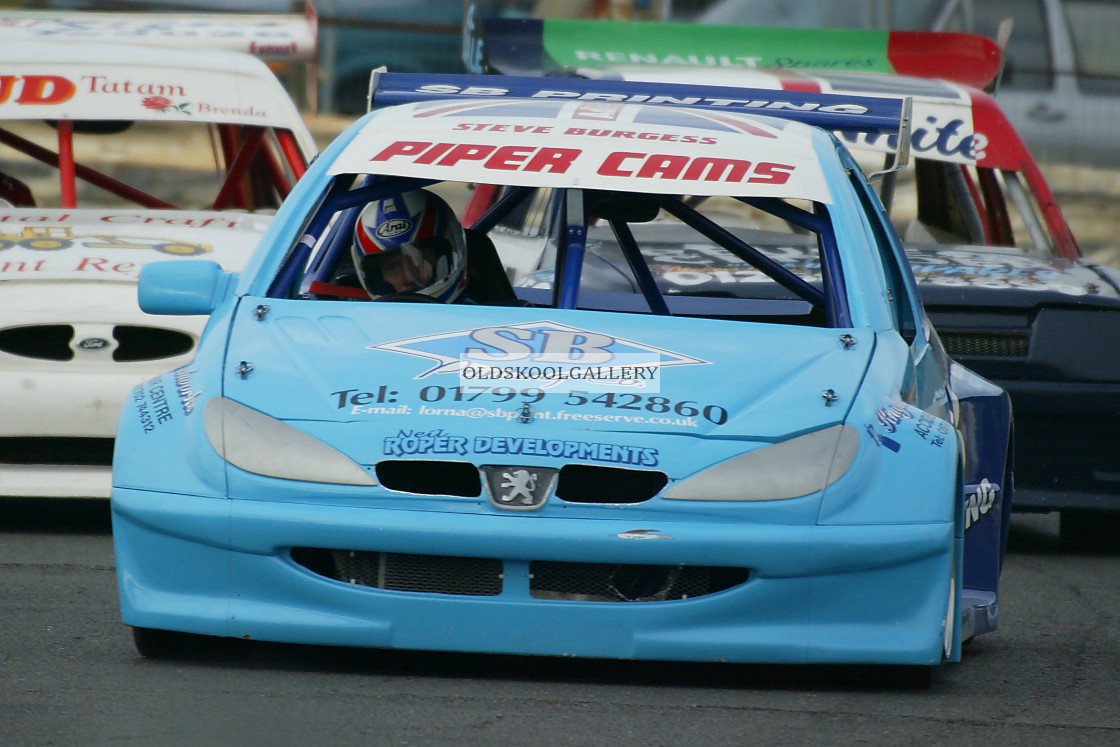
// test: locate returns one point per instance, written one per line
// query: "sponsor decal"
(943, 138)
(881, 440)
(931, 430)
(480, 402)
(53, 90)
(695, 265)
(50, 239)
(746, 104)
(603, 132)
(11, 222)
(290, 49)
(630, 371)
(90, 265)
(888, 421)
(236, 111)
(392, 228)
(269, 36)
(187, 393)
(608, 57)
(541, 343)
(94, 343)
(103, 84)
(158, 96)
(549, 373)
(890, 417)
(152, 406)
(980, 500)
(584, 451)
(962, 268)
(36, 90)
(553, 160)
(164, 105)
(408, 443)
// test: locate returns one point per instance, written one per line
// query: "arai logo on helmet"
(393, 227)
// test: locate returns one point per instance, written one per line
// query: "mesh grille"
(989, 344)
(606, 582)
(571, 582)
(430, 477)
(50, 342)
(438, 574)
(585, 483)
(91, 452)
(134, 343)
(149, 343)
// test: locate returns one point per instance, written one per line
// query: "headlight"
(252, 441)
(790, 469)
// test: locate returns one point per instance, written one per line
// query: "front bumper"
(66, 368)
(55, 426)
(815, 594)
(1066, 441)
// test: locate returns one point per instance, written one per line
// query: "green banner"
(593, 44)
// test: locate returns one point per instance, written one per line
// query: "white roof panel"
(595, 145)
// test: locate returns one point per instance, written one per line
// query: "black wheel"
(916, 677)
(164, 644)
(408, 297)
(1089, 531)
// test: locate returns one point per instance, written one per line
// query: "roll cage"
(259, 165)
(317, 260)
(314, 265)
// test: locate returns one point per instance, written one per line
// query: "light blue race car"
(394, 436)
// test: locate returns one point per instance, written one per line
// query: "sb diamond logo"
(537, 343)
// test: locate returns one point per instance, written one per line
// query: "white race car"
(113, 155)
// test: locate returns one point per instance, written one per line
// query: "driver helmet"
(410, 243)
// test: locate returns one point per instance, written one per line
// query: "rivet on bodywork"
(260, 312)
(244, 369)
(830, 396)
(848, 341)
(526, 414)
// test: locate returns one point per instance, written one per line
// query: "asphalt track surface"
(69, 674)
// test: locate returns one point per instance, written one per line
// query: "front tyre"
(1089, 531)
(164, 644)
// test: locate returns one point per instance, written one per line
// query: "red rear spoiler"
(521, 46)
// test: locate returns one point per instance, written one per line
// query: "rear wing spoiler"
(853, 115)
(829, 111)
(520, 46)
(271, 37)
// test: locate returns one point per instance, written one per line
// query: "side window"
(1093, 24)
(901, 292)
(1029, 64)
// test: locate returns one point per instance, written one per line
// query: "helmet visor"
(410, 267)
